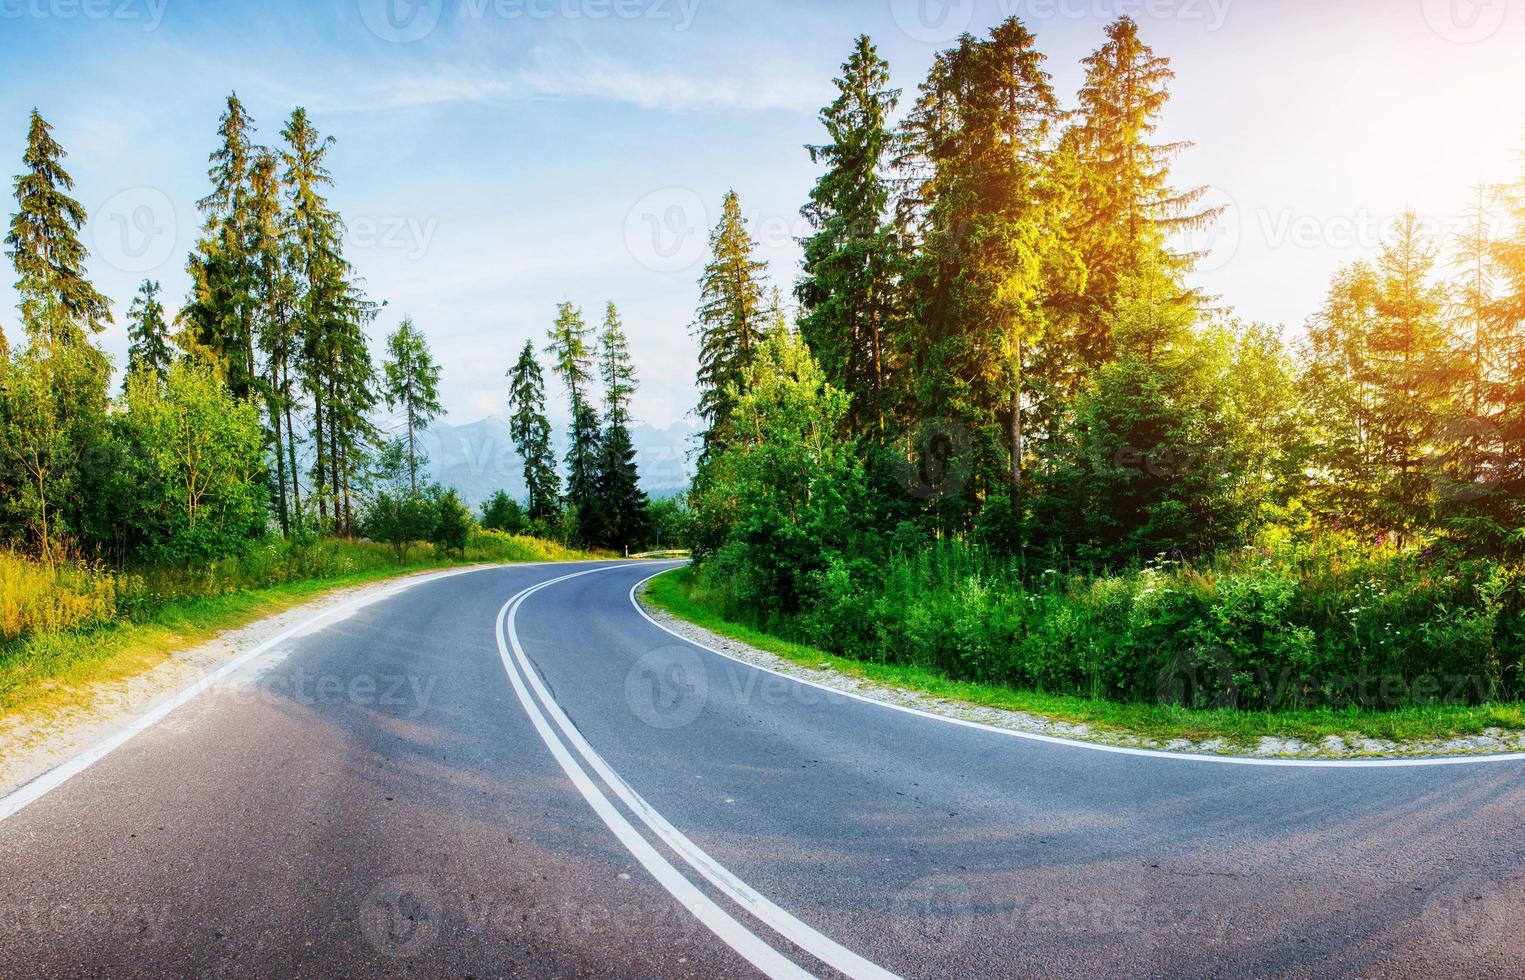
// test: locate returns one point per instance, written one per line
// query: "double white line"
(543, 711)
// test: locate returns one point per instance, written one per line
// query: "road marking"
(47, 782)
(817, 944)
(767, 959)
(1233, 760)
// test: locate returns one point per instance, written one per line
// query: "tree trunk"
(291, 447)
(280, 454)
(412, 455)
(1016, 439)
(1016, 453)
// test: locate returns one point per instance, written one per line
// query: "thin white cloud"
(560, 74)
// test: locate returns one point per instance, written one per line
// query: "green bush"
(1328, 624)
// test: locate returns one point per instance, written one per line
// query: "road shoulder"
(33, 743)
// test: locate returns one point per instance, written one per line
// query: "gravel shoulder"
(1490, 742)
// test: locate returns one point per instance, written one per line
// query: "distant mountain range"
(478, 459)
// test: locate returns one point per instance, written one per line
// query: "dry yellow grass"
(40, 598)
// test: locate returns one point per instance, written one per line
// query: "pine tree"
(571, 355)
(220, 312)
(5, 345)
(847, 289)
(352, 396)
(1385, 367)
(731, 319)
(979, 135)
(276, 326)
(1151, 469)
(150, 349)
(777, 316)
(59, 306)
(1504, 383)
(1473, 285)
(531, 432)
(582, 462)
(572, 361)
(1125, 206)
(1418, 371)
(616, 369)
(336, 372)
(620, 510)
(412, 384)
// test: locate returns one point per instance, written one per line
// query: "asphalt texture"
(375, 799)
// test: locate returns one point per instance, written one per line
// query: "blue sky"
(497, 156)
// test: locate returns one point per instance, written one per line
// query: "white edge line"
(701, 906)
(1233, 760)
(45, 783)
(817, 944)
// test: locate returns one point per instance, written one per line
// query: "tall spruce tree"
(979, 136)
(732, 317)
(59, 306)
(1473, 287)
(149, 351)
(620, 512)
(336, 372)
(1504, 381)
(618, 519)
(411, 383)
(276, 301)
(615, 368)
(1124, 205)
(571, 352)
(582, 464)
(220, 312)
(1385, 367)
(572, 361)
(1150, 470)
(531, 432)
(847, 289)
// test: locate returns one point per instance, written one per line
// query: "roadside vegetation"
(1005, 445)
(683, 594)
(66, 626)
(254, 449)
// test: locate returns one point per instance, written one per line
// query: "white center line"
(767, 959)
(814, 942)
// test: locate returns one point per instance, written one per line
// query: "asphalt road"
(511, 772)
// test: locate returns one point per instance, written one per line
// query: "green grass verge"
(674, 592)
(49, 671)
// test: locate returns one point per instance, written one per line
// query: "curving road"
(512, 772)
